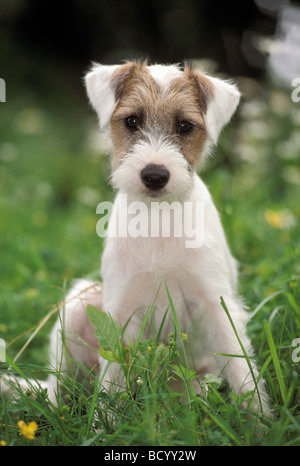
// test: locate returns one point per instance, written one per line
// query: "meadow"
(53, 174)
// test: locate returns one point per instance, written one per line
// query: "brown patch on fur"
(160, 111)
(191, 93)
(204, 86)
(123, 74)
(137, 92)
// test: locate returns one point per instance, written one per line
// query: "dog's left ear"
(221, 106)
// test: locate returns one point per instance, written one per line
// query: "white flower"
(139, 381)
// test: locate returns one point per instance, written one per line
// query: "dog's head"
(162, 118)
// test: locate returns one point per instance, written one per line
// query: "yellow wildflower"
(2, 443)
(28, 430)
(280, 219)
(185, 336)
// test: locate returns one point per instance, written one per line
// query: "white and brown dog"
(162, 120)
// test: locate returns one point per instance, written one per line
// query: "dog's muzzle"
(155, 177)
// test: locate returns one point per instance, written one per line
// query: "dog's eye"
(132, 122)
(184, 127)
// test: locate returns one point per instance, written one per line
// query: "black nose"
(155, 177)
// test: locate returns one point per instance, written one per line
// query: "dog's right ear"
(103, 85)
(101, 92)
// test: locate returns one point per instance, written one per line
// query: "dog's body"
(162, 119)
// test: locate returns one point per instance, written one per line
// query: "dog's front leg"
(122, 303)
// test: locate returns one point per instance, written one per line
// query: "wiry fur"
(134, 270)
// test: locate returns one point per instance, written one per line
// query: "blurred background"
(53, 164)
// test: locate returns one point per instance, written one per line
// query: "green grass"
(51, 180)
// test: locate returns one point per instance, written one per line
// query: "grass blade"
(220, 423)
(276, 362)
(264, 301)
(243, 349)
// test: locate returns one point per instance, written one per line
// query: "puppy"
(162, 120)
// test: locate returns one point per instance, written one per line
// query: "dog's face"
(162, 119)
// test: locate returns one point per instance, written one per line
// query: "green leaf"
(185, 374)
(106, 328)
(212, 379)
(109, 355)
